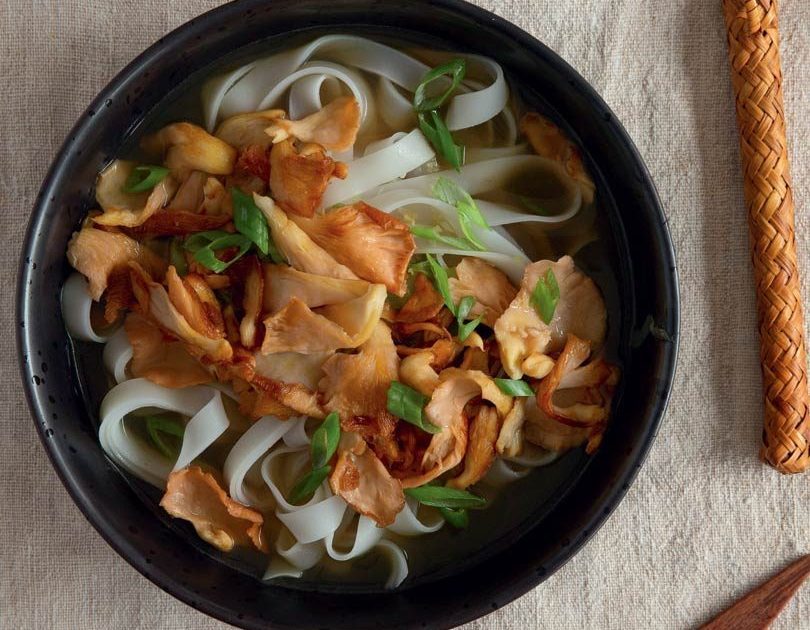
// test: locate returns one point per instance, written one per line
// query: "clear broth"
(517, 505)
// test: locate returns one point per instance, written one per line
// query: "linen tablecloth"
(704, 521)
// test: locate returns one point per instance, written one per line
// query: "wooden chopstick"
(758, 609)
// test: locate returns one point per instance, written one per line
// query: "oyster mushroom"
(99, 254)
(243, 130)
(162, 361)
(376, 246)
(128, 209)
(334, 127)
(524, 338)
(197, 497)
(298, 248)
(489, 286)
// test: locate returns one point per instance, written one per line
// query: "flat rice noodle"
(187, 147)
(197, 497)
(364, 483)
(387, 164)
(243, 130)
(299, 249)
(164, 361)
(334, 127)
(283, 283)
(99, 254)
(128, 209)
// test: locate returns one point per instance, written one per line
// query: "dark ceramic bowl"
(64, 382)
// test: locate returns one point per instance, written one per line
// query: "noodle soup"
(355, 310)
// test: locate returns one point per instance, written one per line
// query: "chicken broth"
(335, 358)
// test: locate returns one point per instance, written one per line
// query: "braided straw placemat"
(753, 43)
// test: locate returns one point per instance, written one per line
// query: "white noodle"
(382, 166)
(76, 305)
(391, 174)
(399, 563)
(202, 431)
(131, 453)
(117, 354)
(249, 448)
(366, 536)
(408, 523)
(315, 521)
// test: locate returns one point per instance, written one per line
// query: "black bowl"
(64, 404)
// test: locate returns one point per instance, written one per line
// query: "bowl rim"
(206, 21)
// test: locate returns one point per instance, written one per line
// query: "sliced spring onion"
(458, 518)
(532, 206)
(204, 246)
(274, 252)
(443, 497)
(249, 220)
(455, 68)
(464, 308)
(143, 178)
(451, 193)
(177, 257)
(465, 330)
(441, 281)
(199, 240)
(513, 387)
(545, 296)
(161, 429)
(437, 133)
(325, 440)
(469, 213)
(305, 488)
(407, 403)
(432, 234)
(423, 267)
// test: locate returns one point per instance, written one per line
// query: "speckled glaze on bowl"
(63, 404)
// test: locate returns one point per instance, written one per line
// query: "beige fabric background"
(703, 522)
